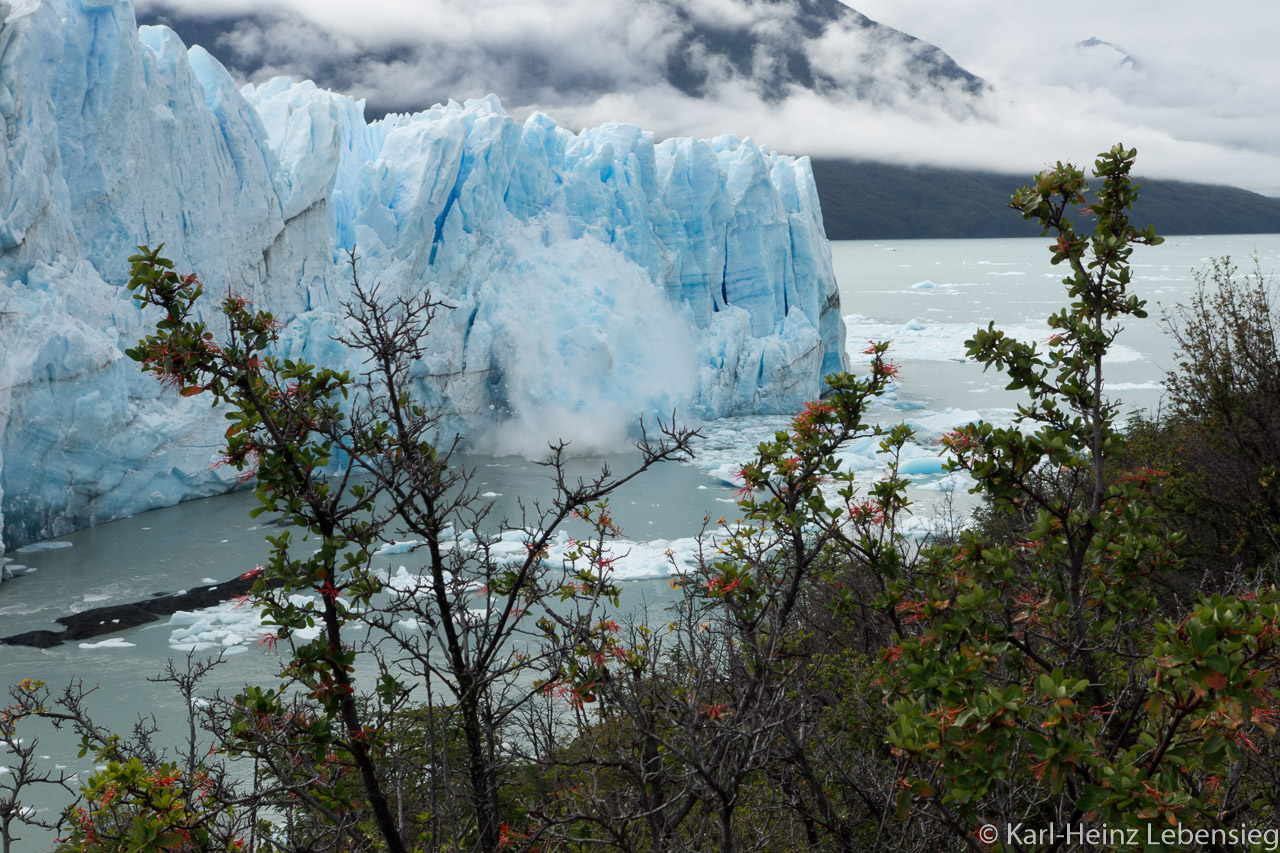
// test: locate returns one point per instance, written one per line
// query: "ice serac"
(593, 277)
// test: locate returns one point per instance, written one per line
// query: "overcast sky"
(1203, 86)
(1195, 86)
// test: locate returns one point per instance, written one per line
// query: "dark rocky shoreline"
(119, 617)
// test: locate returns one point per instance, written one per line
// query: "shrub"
(1223, 425)
(1033, 683)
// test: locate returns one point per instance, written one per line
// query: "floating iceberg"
(593, 277)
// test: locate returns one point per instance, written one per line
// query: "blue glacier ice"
(595, 277)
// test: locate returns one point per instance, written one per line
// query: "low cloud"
(1005, 136)
(1197, 105)
(1200, 90)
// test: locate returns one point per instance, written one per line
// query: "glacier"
(594, 277)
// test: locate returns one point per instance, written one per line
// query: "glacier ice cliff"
(594, 277)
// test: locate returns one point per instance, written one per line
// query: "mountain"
(772, 48)
(593, 278)
(878, 201)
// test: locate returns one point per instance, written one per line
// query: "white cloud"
(1200, 102)
(1206, 81)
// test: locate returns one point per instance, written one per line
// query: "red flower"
(235, 301)
(867, 511)
(959, 440)
(1141, 475)
(719, 585)
(713, 712)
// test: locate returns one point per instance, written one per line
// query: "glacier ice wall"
(594, 277)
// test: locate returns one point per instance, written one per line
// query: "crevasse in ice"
(594, 277)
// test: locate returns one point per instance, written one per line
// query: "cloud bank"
(1197, 96)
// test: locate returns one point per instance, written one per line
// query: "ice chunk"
(398, 547)
(42, 546)
(922, 465)
(231, 625)
(113, 643)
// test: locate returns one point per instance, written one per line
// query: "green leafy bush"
(1034, 682)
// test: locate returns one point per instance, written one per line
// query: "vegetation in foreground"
(1094, 657)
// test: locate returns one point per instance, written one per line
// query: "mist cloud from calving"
(585, 62)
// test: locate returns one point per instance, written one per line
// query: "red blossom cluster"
(576, 696)
(1142, 475)
(866, 512)
(713, 712)
(959, 440)
(812, 418)
(720, 585)
(510, 838)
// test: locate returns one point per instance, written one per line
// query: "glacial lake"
(926, 296)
